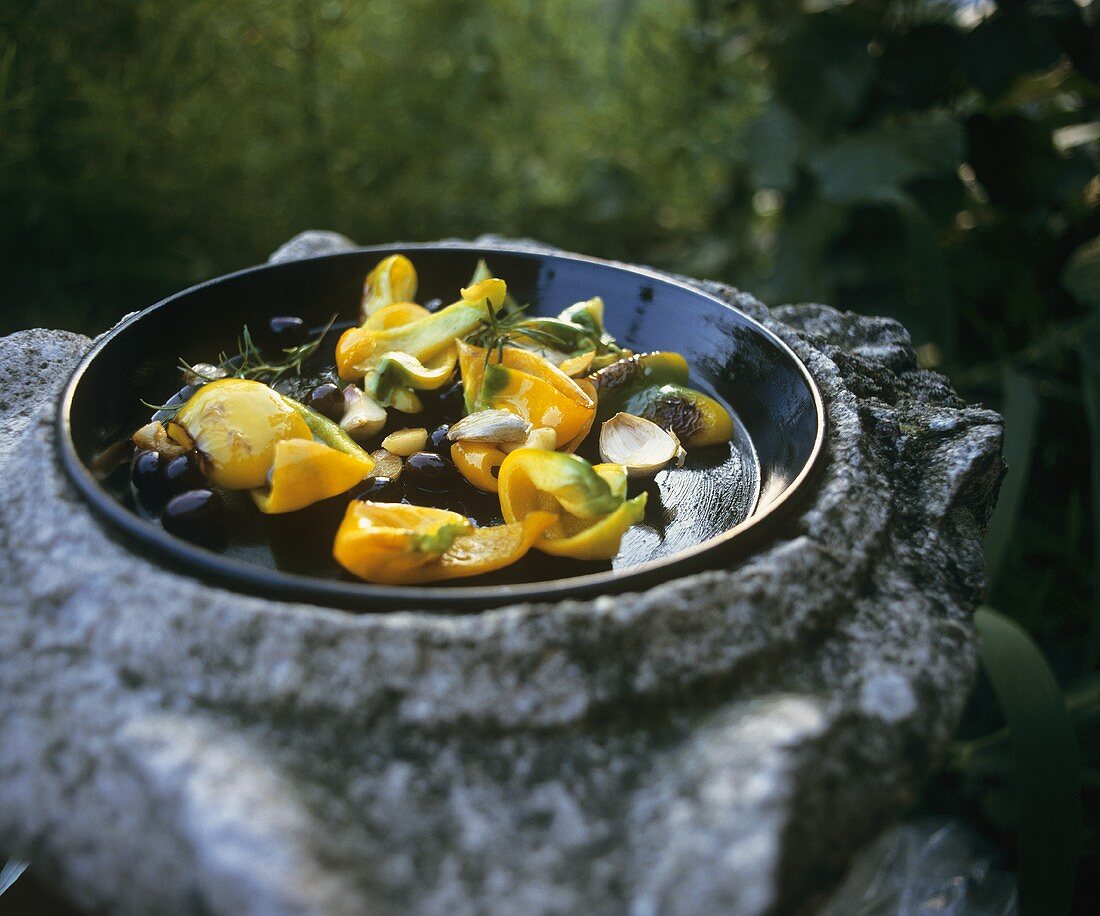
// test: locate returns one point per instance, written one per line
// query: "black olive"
(284, 332)
(433, 305)
(183, 473)
(146, 473)
(438, 441)
(195, 516)
(382, 490)
(428, 471)
(327, 399)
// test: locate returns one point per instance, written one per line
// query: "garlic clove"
(386, 464)
(490, 426)
(640, 446)
(540, 437)
(363, 416)
(405, 442)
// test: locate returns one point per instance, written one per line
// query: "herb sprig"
(249, 363)
(497, 331)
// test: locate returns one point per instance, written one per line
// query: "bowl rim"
(172, 553)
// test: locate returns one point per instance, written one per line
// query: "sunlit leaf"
(1045, 757)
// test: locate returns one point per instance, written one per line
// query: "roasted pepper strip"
(696, 418)
(397, 371)
(389, 542)
(251, 437)
(479, 463)
(396, 315)
(616, 383)
(361, 349)
(593, 513)
(393, 279)
(406, 545)
(305, 472)
(654, 386)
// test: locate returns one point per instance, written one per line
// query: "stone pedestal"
(721, 743)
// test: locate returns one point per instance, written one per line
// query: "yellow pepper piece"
(361, 349)
(577, 365)
(573, 444)
(488, 549)
(478, 462)
(236, 424)
(389, 542)
(593, 513)
(393, 279)
(598, 541)
(529, 386)
(396, 315)
(305, 472)
(397, 370)
(394, 544)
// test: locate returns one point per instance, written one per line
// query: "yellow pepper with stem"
(398, 544)
(590, 501)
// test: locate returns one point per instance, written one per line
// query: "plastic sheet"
(924, 867)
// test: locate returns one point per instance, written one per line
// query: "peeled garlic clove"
(405, 442)
(386, 464)
(490, 426)
(640, 446)
(363, 417)
(542, 437)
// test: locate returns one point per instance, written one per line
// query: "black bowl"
(706, 516)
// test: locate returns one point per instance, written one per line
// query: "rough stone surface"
(721, 743)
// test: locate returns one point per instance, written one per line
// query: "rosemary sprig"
(249, 363)
(497, 331)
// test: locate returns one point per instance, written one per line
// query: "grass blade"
(1021, 412)
(1045, 764)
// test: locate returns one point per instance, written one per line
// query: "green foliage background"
(936, 161)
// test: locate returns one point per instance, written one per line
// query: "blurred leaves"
(170, 142)
(1045, 763)
(865, 165)
(1081, 276)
